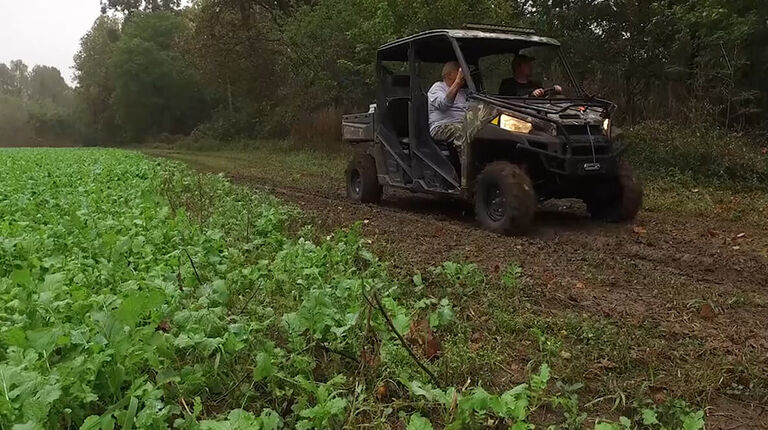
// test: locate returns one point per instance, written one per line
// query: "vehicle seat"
(397, 110)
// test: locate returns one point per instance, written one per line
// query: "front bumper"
(572, 156)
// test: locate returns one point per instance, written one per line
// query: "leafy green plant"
(470, 408)
(511, 276)
(459, 277)
(671, 415)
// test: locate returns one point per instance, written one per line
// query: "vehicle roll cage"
(402, 49)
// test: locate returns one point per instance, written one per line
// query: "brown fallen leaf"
(476, 341)
(658, 394)
(369, 358)
(382, 392)
(422, 336)
(707, 312)
(432, 351)
(164, 326)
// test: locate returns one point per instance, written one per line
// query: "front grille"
(581, 130)
(586, 150)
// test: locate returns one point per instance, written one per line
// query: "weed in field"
(459, 278)
(667, 416)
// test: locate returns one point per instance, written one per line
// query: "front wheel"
(362, 180)
(620, 200)
(505, 202)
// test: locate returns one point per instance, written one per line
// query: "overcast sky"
(45, 32)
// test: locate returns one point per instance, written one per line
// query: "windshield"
(521, 74)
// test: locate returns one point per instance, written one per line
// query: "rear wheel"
(620, 200)
(505, 202)
(362, 181)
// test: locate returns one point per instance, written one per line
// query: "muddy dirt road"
(700, 284)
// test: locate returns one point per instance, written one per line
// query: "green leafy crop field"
(137, 294)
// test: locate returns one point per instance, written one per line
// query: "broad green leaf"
(270, 420)
(402, 323)
(15, 336)
(91, 423)
(417, 422)
(54, 281)
(264, 368)
(649, 417)
(694, 421)
(21, 277)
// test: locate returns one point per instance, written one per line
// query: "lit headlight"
(515, 125)
(607, 127)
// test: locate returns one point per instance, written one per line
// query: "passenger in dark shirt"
(521, 84)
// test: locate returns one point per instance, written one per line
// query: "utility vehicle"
(532, 148)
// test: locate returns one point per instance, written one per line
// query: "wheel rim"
(495, 203)
(355, 182)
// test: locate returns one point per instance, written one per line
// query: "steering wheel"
(548, 93)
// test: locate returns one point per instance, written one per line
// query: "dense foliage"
(139, 295)
(273, 67)
(134, 82)
(34, 105)
(156, 90)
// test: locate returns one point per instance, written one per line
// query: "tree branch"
(402, 340)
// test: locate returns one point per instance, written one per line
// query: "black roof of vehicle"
(473, 34)
(397, 49)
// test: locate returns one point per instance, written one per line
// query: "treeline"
(35, 105)
(253, 68)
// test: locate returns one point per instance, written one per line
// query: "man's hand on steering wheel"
(541, 92)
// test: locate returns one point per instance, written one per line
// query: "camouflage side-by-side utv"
(531, 149)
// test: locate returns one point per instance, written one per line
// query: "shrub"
(14, 129)
(703, 152)
(320, 130)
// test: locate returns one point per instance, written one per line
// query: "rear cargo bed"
(357, 127)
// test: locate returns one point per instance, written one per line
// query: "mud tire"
(362, 180)
(620, 201)
(505, 202)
